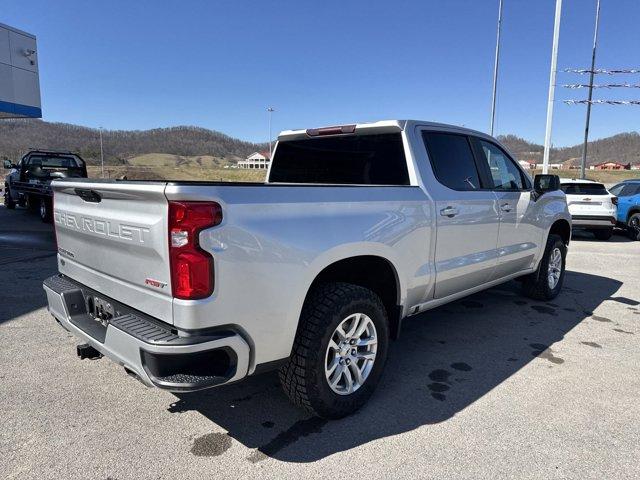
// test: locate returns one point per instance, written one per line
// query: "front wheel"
(339, 351)
(633, 226)
(546, 282)
(603, 234)
(8, 201)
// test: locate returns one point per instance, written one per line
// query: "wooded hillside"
(18, 136)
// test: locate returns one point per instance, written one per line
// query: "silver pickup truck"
(190, 285)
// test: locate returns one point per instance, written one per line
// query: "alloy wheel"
(555, 268)
(351, 353)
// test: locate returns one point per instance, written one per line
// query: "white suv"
(591, 206)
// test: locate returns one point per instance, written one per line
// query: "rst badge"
(154, 283)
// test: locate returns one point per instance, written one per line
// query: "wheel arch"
(562, 228)
(373, 272)
(632, 210)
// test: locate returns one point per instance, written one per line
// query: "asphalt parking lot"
(492, 386)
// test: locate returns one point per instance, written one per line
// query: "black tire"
(33, 203)
(536, 285)
(8, 202)
(603, 234)
(303, 376)
(633, 226)
(45, 210)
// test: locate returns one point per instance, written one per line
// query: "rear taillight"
(614, 200)
(191, 267)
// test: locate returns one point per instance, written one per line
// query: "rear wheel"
(339, 352)
(33, 203)
(8, 201)
(45, 210)
(633, 226)
(546, 282)
(603, 234)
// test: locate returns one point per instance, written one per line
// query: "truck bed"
(273, 241)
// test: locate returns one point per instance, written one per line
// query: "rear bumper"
(592, 221)
(158, 354)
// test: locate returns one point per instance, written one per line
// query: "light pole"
(101, 152)
(583, 164)
(270, 110)
(552, 86)
(495, 68)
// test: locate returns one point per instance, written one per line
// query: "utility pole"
(270, 110)
(583, 164)
(552, 86)
(101, 152)
(495, 69)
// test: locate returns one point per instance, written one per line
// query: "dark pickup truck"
(29, 181)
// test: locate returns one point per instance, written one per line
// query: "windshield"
(53, 161)
(344, 159)
(583, 189)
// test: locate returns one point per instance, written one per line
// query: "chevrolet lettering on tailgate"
(105, 228)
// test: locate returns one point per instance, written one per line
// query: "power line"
(599, 71)
(602, 102)
(609, 85)
(583, 164)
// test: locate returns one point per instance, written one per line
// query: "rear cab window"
(578, 188)
(365, 159)
(53, 161)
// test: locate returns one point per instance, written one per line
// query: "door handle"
(505, 207)
(449, 212)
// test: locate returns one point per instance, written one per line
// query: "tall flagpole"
(552, 87)
(270, 110)
(495, 69)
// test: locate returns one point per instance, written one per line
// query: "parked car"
(592, 207)
(190, 285)
(628, 193)
(29, 181)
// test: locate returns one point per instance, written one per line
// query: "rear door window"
(583, 188)
(343, 159)
(452, 160)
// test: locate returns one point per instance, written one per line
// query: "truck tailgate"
(112, 237)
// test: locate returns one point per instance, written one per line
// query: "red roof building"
(610, 166)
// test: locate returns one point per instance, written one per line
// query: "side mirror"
(8, 165)
(546, 183)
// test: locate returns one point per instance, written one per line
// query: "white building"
(256, 160)
(19, 79)
(527, 165)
